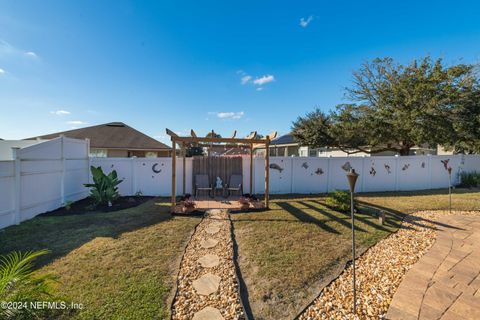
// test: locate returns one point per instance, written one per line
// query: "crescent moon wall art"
(154, 168)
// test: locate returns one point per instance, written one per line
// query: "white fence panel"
(439, 170)
(309, 175)
(338, 167)
(7, 193)
(148, 176)
(378, 174)
(471, 163)
(42, 177)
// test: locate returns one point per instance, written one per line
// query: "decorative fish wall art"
(373, 172)
(387, 167)
(275, 166)
(305, 165)
(347, 166)
(405, 167)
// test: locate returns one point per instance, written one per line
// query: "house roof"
(283, 140)
(113, 135)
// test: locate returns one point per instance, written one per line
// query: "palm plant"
(104, 190)
(19, 283)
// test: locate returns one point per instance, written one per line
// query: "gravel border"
(379, 271)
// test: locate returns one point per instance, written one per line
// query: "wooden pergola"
(250, 142)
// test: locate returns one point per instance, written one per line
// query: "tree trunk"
(404, 151)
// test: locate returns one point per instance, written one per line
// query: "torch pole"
(353, 255)
(450, 191)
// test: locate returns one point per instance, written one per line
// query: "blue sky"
(245, 65)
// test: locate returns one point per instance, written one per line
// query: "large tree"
(396, 107)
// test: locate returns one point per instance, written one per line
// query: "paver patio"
(445, 282)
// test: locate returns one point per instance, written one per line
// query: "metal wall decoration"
(373, 172)
(405, 167)
(275, 166)
(423, 165)
(319, 171)
(445, 163)
(387, 167)
(154, 168)
(347, 166)
(305, 165)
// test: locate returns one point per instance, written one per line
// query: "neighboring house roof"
(286, 139)
(113, 135)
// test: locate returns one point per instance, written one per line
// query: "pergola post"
(251, 168)
(184, 179)
(174, 172)
(267, 172)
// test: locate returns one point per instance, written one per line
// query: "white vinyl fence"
(42, 177)
(46, 175)
(152, 176)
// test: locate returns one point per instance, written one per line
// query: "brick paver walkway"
(445, 282)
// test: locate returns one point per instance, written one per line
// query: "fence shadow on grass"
(62, 234)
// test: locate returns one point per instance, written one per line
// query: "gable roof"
(113, 135)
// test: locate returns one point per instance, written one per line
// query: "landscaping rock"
(209, 261)
(206, 284)
(196, 269)
(208, 313)
(379, 272)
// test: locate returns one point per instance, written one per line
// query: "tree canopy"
(395, 107)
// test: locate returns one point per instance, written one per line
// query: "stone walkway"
(445, 282)
(207, 283)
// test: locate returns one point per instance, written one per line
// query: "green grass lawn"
(119, 265)
(289, 253)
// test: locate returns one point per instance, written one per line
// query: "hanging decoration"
(154, 168)
(373, 172)
(305, 165)
(319, 171)
(445, 163)
(406, 166)
(275, 166)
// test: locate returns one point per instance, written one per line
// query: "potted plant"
(187, 203)
(244, 203)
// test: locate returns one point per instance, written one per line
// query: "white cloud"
(76, 122)
(60, 112)
(2, 71)
(259, 88)
(228, 115)
(6, 49)
(31, 54)
(305, 22)
(245, 79)
(264, 80)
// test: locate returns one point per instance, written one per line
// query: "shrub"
(20, 284)
(469, 179)
(339, 200)
(104, 190)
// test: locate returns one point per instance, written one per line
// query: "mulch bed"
(84, 206)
